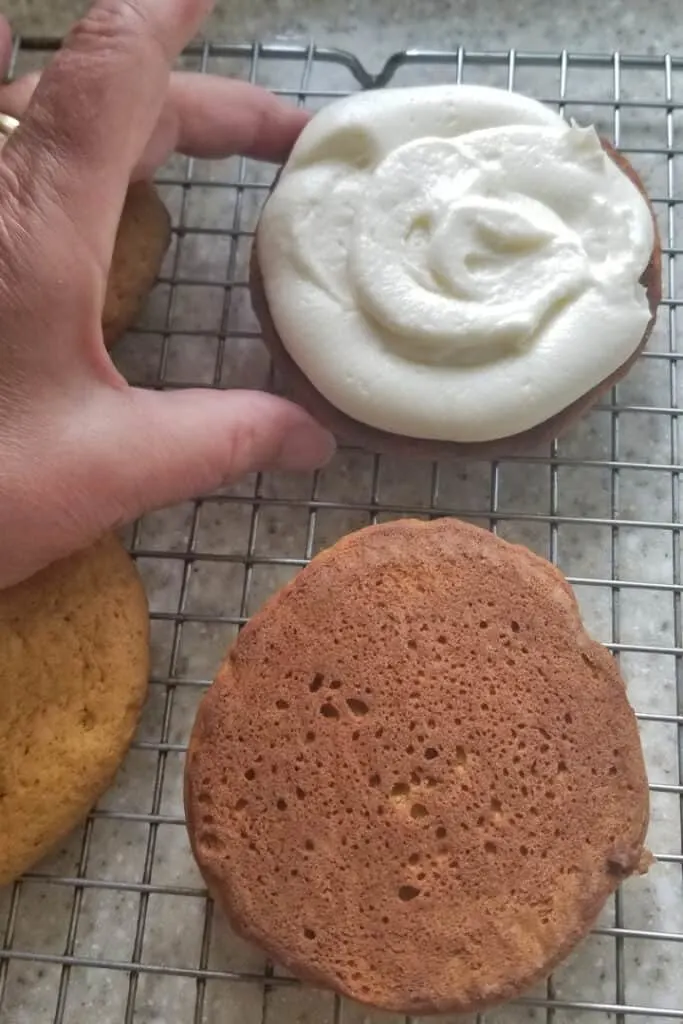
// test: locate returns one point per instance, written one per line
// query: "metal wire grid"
(354, 500)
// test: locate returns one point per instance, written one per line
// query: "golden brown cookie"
(416, 778)
(74, 665)
(298, 387)
(142, 240)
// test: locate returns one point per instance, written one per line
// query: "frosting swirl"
(454, 262)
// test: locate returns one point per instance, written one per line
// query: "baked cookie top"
(416, 778)
(74, 666)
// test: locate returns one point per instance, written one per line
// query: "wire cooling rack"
(116, 926)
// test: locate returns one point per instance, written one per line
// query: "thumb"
(156, 449)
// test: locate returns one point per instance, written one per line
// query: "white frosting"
(454, 262)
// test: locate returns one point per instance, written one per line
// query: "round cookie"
(142, 239)
(416, 779)
(74, 665)
(297, 386)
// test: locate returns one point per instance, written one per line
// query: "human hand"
(81, 452)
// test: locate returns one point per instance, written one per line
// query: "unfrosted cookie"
(142, 240)
(74, 665)
(416, 779)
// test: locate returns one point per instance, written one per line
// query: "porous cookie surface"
(74, 665)
(142, 240)
(416, 779)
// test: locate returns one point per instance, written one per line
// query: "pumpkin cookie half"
(416, 778)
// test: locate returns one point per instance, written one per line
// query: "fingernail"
(306, 447)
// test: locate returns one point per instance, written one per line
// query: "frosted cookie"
(453, 268)
(142, 239)
(74, 665)
(416, 779)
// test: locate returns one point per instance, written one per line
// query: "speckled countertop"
(603, 510)
(371, 27)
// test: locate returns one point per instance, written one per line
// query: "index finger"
(95, 108)
(212, 117)
(204, 116)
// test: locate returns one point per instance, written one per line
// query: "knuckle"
(162, 143)
(19, 159)
(43, 263)
(132, 27)
(34, 158)
(118, 24)
(244, 452)
(110, 24)
(19, 221)
(269, 135)
(11, 185)
(265, 124)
